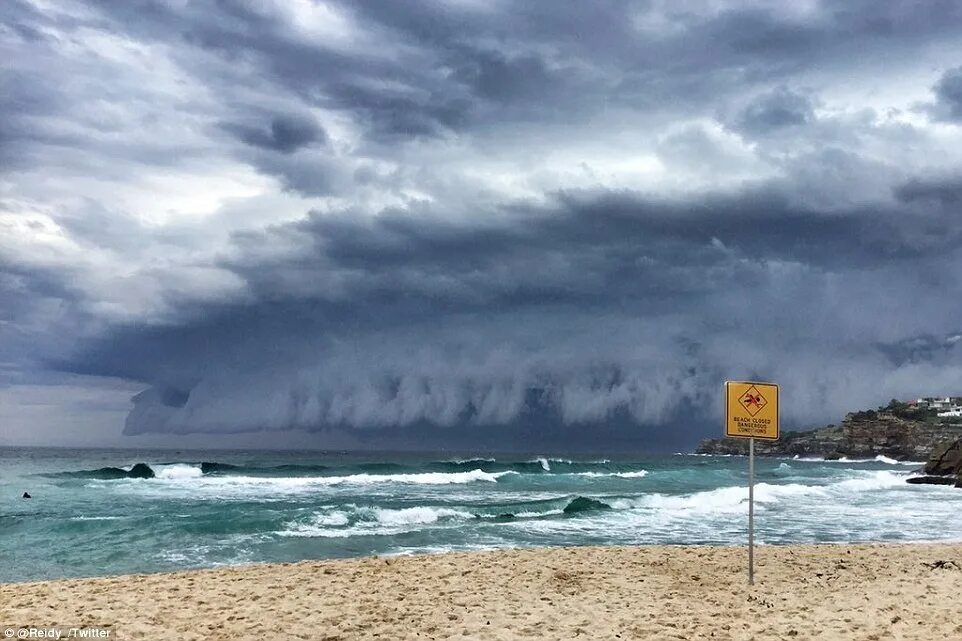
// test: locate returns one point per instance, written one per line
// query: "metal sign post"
(751, 411)
(751, 511)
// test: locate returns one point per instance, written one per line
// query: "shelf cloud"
(439, 221)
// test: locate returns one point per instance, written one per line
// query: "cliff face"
(861, 435)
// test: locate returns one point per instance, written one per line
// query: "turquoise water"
(203, 509)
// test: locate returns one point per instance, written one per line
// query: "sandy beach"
(858, 592)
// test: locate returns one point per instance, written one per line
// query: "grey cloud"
(507, 80)
(287, 133)
(402, 97)
(774, 110)
(310, 171)
(393, 115)
(924, 349)
(312, 176)
(417, 95)
(294, 148)
(946, 191)
(20, 99)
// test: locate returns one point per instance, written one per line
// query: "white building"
(946, 403)
(955, 410)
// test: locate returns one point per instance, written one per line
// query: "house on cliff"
(940, 403)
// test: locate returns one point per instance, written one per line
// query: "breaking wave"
(352, 520)
(881, 458)
(489, 466)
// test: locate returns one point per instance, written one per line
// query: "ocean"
(201, 509)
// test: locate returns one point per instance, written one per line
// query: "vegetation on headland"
(909, 412)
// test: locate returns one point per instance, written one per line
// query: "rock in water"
(140, 471)
(931, 480)
(944, 466)
(945, 459)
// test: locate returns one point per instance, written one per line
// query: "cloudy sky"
(471, 222)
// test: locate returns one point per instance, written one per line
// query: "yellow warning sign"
(751, 410)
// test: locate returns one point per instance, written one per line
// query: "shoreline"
(827, 591)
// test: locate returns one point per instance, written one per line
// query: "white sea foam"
(872, 481)
(320, 530)
(422, 478)
(272, 489)
(892, 461)
(331, 519)
(530, 514)
(417, 515)
(177, 471)
(370, 521)
(723, 499)
(637, 474)
(425, 478)
(699, 454)
(878, 459)
(735, 499)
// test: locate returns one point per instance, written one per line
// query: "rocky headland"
(890, 432)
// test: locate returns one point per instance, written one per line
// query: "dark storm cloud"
(431, 69)
(481, 221)
(392, 321)
(948, 93)
(620, 228)
(399, 114)
(25, 281)
(946, 191)
(40, 310)
(447, 77)
(414, 102)
(286, 133)
(584, 247)
(293, 148)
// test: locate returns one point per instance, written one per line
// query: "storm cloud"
(948, 92)
(433, 222)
